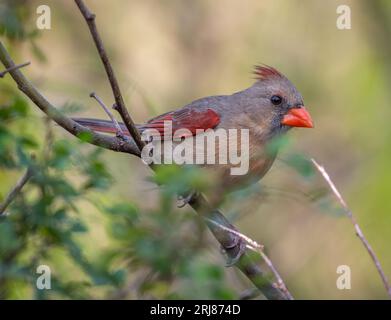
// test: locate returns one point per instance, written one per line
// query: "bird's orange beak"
(298, 117)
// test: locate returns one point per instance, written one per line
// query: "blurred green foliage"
(45, 218)
(14, 18)
(86, 213)
(151, 253)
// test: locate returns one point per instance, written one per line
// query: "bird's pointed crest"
(263, 72)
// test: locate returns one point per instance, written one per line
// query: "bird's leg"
(234, 251)
(233, 246)
(185, 198)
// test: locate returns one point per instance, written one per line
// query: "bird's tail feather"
(99, 125)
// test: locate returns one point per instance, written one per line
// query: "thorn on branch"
(18, 66)
(90, 16)
(85, 11)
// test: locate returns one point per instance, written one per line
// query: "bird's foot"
(185, 199)
(239, 246)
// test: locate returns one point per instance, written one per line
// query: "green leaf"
(61, 150)
(85, 136)
(301, 164)
(127, 209)
(78, 227)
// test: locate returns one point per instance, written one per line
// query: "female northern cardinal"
(267, 109)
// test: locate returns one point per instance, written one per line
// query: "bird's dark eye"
(276, 100)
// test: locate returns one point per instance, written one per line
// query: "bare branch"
(16, 190)
(3, 73)
(119, 101)
(104, 141)
(252, 243)
(353, 220)
(255, 246)
(108, 112)
(280, 283)
(236, 248)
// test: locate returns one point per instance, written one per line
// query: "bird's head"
(278, 98)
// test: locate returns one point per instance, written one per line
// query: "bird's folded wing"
(191, 119)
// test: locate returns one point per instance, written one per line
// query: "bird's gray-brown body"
(254, 109)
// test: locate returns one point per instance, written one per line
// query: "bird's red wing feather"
(190, 119)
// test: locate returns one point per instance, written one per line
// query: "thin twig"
(255, 246)
(353, 220)
(252, 243)
(18, 66)
(109, 113)
(16, 190)
(280, 283)
(119, 101)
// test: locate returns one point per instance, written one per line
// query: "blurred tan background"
(168, 53)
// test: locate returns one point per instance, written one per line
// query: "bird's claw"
(184, 200)
(231, 261)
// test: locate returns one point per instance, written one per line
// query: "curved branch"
(101, 140)
(119, 101)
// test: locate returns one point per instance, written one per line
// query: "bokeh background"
(166, 54)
